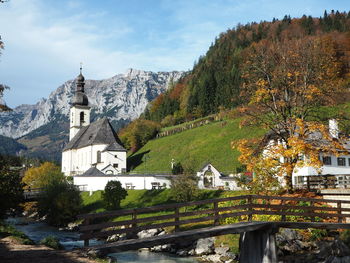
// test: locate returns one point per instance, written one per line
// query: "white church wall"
(93, 183)
(138, 182)
(113, 158)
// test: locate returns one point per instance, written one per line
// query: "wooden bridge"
(33, 194)
(257, 218)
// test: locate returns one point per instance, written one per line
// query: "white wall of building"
(77, 161)
(138, 182)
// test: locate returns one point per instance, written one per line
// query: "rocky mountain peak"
(122, 98)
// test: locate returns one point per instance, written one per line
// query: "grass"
(10, 231)
(209, 143)
(142, 198)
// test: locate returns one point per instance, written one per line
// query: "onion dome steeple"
(80, 98)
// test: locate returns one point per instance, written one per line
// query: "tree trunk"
(289, 183)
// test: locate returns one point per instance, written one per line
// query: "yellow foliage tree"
(284, 85)
(39, 177)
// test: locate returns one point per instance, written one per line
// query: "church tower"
(80, 110)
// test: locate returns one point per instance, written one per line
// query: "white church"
(94, 154)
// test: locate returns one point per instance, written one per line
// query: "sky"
(45, 40)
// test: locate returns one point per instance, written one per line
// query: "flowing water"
(70, 240)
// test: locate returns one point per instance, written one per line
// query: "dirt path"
(11, 251)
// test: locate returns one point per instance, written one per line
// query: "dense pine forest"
(215, 82)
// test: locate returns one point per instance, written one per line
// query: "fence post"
(250, 208)
(283, 216)
(340, 219)
(86, 241)
(216, 220)
(177, 212)
(312, 203)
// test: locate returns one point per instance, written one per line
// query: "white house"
(210, 178)
(337, 166)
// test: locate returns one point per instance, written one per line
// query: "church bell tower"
(80, 110)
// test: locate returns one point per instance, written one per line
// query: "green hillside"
(209, 143)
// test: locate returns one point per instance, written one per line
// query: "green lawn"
(209, 143)
(143, 198)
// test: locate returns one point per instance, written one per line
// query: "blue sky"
(45, 40)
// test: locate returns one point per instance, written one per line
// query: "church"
(93, 148)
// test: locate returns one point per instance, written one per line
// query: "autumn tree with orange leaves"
(284, 84)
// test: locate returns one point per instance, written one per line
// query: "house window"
(115, 165)
(341, 161)
(82, 117)
(98, 156)
(327, 160)
(349, 161)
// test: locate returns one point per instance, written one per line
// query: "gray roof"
(114, 147)
(98, 132)
(92, 172)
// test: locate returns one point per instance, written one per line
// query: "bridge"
(33, 194)
(256, 218)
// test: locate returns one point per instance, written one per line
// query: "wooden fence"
(35, 193)
(315, 182)
(215, 211)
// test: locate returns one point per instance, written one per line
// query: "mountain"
(9, 146)
(43, 127)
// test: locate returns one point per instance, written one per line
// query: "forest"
(216, 81)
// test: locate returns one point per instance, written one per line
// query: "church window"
(98, 156)
(115, 165)
(115, 156)
(82, 117)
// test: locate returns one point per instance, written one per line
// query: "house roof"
(92, 172)
(98, 132)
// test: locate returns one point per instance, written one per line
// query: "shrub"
(177, 169)
(345, 237)
(45, 174)
(184, 187)
(51, 242)
(11, 193)
(113, 194)
(61, 203)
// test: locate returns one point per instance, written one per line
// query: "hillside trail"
(11, 251)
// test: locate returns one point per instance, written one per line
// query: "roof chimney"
(333, 128)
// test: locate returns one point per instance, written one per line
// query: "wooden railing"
(213, 211)
(35, 193)
(325, 182)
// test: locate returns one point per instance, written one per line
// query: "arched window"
(82, 117)
(98, 156)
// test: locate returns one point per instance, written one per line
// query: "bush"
(60, 203)
(177, 169)
(45, 174)
(113, 194)
(51, 242)
(11, 192)
(345, 237)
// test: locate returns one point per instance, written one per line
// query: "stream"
(70, 240)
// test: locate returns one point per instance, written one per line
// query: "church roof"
(92, 172)
(98, 132)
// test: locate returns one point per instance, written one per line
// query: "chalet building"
(337, 167)
(210, 178)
